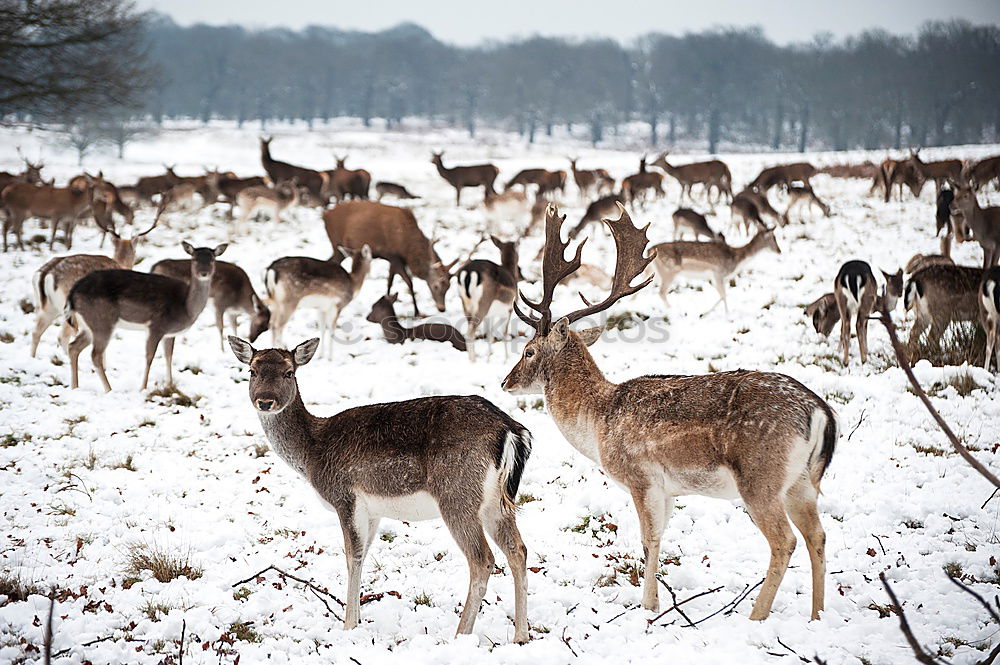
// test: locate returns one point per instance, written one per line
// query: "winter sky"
(471, 22)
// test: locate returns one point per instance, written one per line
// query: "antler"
(630, 244)
(555, 268)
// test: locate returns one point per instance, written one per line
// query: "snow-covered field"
(87, 477)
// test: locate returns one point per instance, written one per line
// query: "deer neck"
(290, 432)
(577, 396)
(393, 330)
(442, 170)
(359, 270)
(747, 251)
(197, 295)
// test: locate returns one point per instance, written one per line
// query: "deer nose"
(265, 404)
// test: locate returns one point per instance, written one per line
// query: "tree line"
(727, 85)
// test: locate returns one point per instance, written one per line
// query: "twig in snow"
(989, 499)
(91, 643)
(354, 660)
(180, 649)
(676, 606)
(890, 327)
(731, 606)
(316, 590)
(879, 543)
(982, 601)
(565, 640)
(904, 625)
(804, 660)
(47, 639)
(673, 596)
(860, 420)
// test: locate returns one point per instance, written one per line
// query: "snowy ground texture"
(87, 477)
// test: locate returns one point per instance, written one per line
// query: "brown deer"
(984, 223)
(759, 436)
(939, 295)
(344, 182)
(598, 180)
(230, 188)
(825, 313)
(686, 219)
(456, 458)
(711, 175)
(989, 313)
(804, 196)
(635, 186)
(866, 170)
(274, 200)
(981, 173)
(527, 177)
(920, 261)
(942, 172)
(395, 332)
(231, 292)
(597, 210)
(762, 206)
(786, 174)
(488, 291)
(904, 173)
(163, 306)
(385, 188)
(32, 173)
(277, 171)
(716, 260)
(61, 205)
(393, 235)
(54, 280)
(744, 213)
(322, 285)
(856, 294)
(552, 181)
(460, 177)
(149, 186)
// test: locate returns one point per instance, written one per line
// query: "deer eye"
(289, 374)
(529, 353)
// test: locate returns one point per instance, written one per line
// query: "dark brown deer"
(636, 186)
(455, 458)
(552, 182)
(347, 183)
(984, 223)
(711, 175)
(586, 180)
(395, 332)
(596, 211)
(803, 196)
(149, 186)
(527, 177)
(982, 173)
(759, 436)
(32, 174)
(60, 205)
(903, 173)
(385, 188)
(939, 295)
(163, 306)
(393, 235)
(825, 314)
(277, 171)
(786, 174)
(943, 172)
(460, 177)
(866, 170)
(686, 219)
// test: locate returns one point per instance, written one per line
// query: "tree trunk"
(653, 129)
(779, 125)
(596, 129)
(804, 128)
(714, 129)
(673, 130)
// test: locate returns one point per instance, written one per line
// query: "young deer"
(163, 306)
(385, 188)
(759, 436)
(983, 222)
(384, 314)
(804, 196)
(744, 214)
(323, 285)
(456, 458)
(231, 293)
(989, 313)
(939, 295)
(825, 314)
(54, 280)
(717, 260)
(488, 291)
(460, 177)
(275, 200)
(686, 219)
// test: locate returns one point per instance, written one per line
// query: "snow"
(205, 485)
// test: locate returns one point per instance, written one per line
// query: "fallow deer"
(744, 214)
(384, 314)
(150, 186)
(866, 170)
(762, 206)
(322, 285)
(711, 175)
(980, 174)
(635, 186)
(163, 306)
(460, 177)
(804, 196)
(488, 291)
(946, 171)
(551, 182)
(715, 260)
(602, 207)
(598, 180)
(457, 458)
(60, 205)
(54, 280)
(231, 293)
(344, 182)
(825, 313)
(230, 187)
(984, 223)
(856, 294)
(945, 221)
(393, 235)
(526, 177)
(939, 295)
(920, 261)
(759, 436)
(686, 219)
(274, 200)
(786, 174)
(385, 188)
(989, 313)
(277, 171)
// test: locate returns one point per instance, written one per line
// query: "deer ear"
(304, 352)
(366, 253)
(220, 249)
(187, 247)
(590, 335)
(559, 333)
(496, 241)
(242, 349)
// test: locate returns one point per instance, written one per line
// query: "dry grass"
(16, 588)
(960, 344)
(164, 566)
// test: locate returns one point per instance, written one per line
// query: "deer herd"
(760, 437)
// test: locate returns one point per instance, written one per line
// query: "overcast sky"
(472, 21)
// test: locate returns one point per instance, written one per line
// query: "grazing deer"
(586, 180)
(635, 186)
(527, 177)
(759, 436)
(803, 195)
(597, 210)
(393, 235)
(866, 170)
(947, 171)
(980, 174)
(880, 179)
(458, 458)
(939, 295)
(384, 314)
(385, 188)
(460, 177)
(989, 313)
(60, 205)
(686, 219)
(231, 292)
(904, 172)
(744, 213)
(550, 183)
(715, 260)
(230, 188)
(163, 306)
(277, 171)
(984, 223)
(762, 205)
(276, 200)
(323, 285)
(148, 187)
(56, 278)
(786, 175)
(825, 314)
(920, 261)
(344, 182)
(488, 291)
(857, 297)
(711, 175)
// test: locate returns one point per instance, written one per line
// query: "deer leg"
(97, 355)
(152, 342)
(80, 342)
(43, 320)
(472, 324)
(359, 531)
(332, 331)
(220, 325)
(800, 502)
(467, 530)
(769, 516)
(862, 327)
(504, 532)
(55, 228)
(408, 279)
(508, 337)
(168, 353)
(652, 505)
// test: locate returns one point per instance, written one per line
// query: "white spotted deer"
(758, 436)
(454, 458)
(488, 291)
(989, 314)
